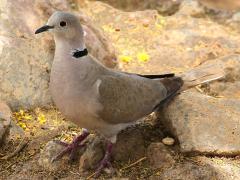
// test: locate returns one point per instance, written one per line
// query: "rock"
(230, 5)
(26, 58)
(191, 8)
(125, 148)
(228, 87)
(15, 131)
(202, 168)
(97, 43)
(166, 7)
(159, 156)
(93, 154)
(204, 124)
(189, 170)
(168, 141)
(225, 168)
(51, 150)
(130, 145)
(5, 121)
(186, 41)
(236, 17)
(224, 89)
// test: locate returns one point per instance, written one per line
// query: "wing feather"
(127, 98)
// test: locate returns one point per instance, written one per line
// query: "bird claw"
(105, 162)
(72, 147)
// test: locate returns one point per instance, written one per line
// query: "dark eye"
(63, 23)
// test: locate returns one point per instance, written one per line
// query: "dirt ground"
(51, 125)
(23, 165)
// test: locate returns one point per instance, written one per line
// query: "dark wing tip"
(172, 84)
(157, 76)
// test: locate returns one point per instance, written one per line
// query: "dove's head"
(63, 25)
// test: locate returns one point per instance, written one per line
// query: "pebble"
(168, 141)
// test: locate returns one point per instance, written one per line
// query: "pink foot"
(105, 162)
(72, 147)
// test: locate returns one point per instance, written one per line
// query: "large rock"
(226, 168)
(205, 124)
(26, 58)
(5, 121)
(228, 87)
(202, 168)
(166, 7)
(188, 170)
(174, 43)
(230, 5)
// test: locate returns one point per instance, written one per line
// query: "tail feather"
(201, 75)
(192, 78)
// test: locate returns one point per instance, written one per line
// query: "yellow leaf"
(143, 57)
(126, 59)
(22, 125)
(160, 22)
(21, 112)
(27, 117)
(41, 118)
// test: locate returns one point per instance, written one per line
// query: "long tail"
(192, 78)
(201, 75)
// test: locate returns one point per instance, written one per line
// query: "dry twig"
(93, 174)
(133, 164)
(20, 147)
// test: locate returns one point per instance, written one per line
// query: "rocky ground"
(141, 36)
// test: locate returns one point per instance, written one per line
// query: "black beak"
(43, 29)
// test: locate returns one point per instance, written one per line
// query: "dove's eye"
(63, 23)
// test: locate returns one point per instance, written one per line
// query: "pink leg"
(105, 162)
(72, 147)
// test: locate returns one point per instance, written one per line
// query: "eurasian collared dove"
(98, 98)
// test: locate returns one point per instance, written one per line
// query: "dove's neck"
(66, 47)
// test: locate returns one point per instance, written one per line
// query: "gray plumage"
(93, 96)
(101, 99)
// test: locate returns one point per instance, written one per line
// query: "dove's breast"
(74, 91)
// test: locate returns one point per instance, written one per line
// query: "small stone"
(50, 151)
(168, 141)
(94, 153)
(146, 22)
(159, 156)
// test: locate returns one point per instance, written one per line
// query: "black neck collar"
(79, 53)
